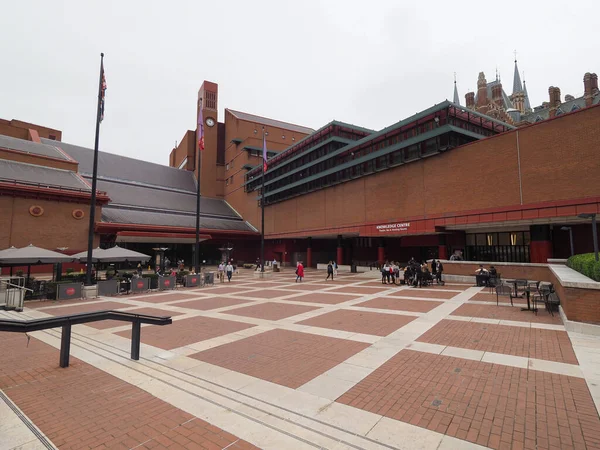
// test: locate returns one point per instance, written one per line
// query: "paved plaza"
(274, 364)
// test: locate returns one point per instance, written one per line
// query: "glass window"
(504, 238)
(492, 239)
(480, 239)
(526, 238)
(470, 239)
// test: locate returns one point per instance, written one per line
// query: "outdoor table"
(528, 295)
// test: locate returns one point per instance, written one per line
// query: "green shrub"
(69, 271)
(585, 264)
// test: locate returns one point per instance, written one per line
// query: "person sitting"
(482, 276)
(481, 270)
(493, 271)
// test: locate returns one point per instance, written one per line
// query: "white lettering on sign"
(393, 227)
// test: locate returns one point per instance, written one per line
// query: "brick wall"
(55, 228)
(555, 155)
(533, 273)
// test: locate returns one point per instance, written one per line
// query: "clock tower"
(206, 160)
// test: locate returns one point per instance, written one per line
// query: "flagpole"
(198, 194)
(262, 210)
(92, 223)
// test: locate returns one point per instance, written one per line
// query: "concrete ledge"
(557, 261)
(571, 278)
(493, 263)
(579, 327)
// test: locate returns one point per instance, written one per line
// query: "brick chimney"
(482, 98)
(470, 100)
(590, 87)
(554, 94)
(497, 94)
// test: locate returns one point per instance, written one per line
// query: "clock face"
(210, 121)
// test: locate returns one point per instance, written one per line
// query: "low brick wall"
(580, 300)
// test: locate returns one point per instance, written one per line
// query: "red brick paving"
(164, 298)
(374, 323)
(363, 290)
(488, 404)
(104, 324)
(223, 289)
(424, 293)
(186, 331)
(305, 286)
(35, 304)
(266, 293)
(488, 297)
(505, 313)
(271, 311)
(284, 357)
(85, 307)
(329, 299)
(400, 304)
(84, 407)
(206, 304)
(550, 345)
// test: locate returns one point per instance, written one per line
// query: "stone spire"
(456, 97)
(527, 104)
(517, 86)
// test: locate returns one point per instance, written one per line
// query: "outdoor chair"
(552, 301)
(504, 290)
(495, 280)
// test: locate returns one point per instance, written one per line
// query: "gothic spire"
(517, 86)
(456, 97)
(527, 104)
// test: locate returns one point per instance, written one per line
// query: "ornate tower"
(518, 94)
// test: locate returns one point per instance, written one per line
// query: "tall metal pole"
(595, 235)
(198, 194)
(571, 240)
(262, 213)
(88, 273)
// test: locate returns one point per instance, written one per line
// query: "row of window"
(491, 239)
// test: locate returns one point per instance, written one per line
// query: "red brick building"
(443, 180)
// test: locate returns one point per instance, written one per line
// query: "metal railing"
(66, 322)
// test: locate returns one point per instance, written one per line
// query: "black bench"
(26, 326)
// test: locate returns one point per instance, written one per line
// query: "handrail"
(26, 326)
(16, 285)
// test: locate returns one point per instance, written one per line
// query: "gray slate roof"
(271, 122)
(130, 169)
(39, 175)
(142, 196)
(48, 148)
(517, 86)
(122, 215)
(566, 107)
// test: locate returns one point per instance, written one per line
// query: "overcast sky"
(367, 63)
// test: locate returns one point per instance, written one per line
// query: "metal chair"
(495, 280)
(520, 286)
(503, 290)
(551, 302)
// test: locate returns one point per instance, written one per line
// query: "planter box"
(140, 284)
(192, 280)
(67, 291)
(108, 287)
(165, 283)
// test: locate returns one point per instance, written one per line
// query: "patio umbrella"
(96, 255)
(32, 255)
(118, 254)
(7, 251)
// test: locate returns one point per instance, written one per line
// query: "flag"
(102, 91)
(264, 153)
(200, 129)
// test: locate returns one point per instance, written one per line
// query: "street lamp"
(570, 230)
(594, 229)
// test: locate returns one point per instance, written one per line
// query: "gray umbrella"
(7, 251)
(118, 254)
(32, 255)
(96, 255)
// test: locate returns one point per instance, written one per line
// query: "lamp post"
(594, 229)
(570, 230)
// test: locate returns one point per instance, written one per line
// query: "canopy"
(7, 251)
(96, 255)
(118, 254)
(32, 255)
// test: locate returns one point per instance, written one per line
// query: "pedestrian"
(329, 271)
(335, 268)
(229, 270)
(433, 267)
(299, 271)
(438, 274)
(139, 269)
(221, 272)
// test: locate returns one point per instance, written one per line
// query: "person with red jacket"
(299, 271)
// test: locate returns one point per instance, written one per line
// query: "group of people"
(225, 269)
(483, 275)
(332, 269)
(415, 273)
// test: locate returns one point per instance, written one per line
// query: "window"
(183, 163)
(227, 166)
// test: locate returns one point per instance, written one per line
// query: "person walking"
(139, 269)
(438, 274)
(335, 268)
(433, 266)
(229, 270)
(221, 272)
(329, 271)
(299, 272)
